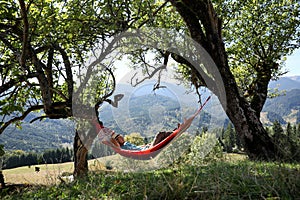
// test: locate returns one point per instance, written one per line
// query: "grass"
(48, 174)
(27, 175)
(233, 178)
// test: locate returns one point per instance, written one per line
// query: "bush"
(205, 148)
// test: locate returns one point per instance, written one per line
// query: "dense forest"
(20, 158)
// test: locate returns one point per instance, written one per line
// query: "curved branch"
(38, 118)
(59, 93)
(32, 108)
(104, 98)
(162, 67)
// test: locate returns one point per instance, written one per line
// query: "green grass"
(217, 180)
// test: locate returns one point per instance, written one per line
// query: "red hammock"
(153, 151)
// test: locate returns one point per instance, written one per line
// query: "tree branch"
(69, 74)
(13, 82)
(137, 82)
(32, 108)
(25, 35)
(9, 45)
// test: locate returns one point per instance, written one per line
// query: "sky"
(293, 64)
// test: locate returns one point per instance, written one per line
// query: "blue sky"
(293, 64)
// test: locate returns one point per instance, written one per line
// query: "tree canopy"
(43, 43)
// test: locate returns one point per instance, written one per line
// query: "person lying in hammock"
(118, 140)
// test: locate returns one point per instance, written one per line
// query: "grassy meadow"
(232, 177)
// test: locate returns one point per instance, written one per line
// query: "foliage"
(135, 138)
(44, 44)
(257, 34)
(205, 148)
(288, 141)
(229, 138)
(215, 180)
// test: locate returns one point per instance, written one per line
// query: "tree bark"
(80, 157)
(255, 139)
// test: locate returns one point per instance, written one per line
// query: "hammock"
(153, 151)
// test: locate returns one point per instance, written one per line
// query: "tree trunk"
(83, 141)
(255, 139)
(80, 157)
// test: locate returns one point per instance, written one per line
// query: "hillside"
(39, 135)
(284, 108)
(286, 83)
(148, 113)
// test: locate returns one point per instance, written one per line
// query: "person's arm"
(115, 142)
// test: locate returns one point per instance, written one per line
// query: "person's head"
(120, 139)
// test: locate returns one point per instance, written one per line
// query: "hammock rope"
(152, 151)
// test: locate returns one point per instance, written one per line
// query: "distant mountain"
(286, 107)
(149, 114)
(286, 83)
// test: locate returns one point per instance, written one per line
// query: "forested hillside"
(284, 108)
(39, 135)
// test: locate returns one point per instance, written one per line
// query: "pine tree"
(295, 130)
(289, 130)
(229, 138)
(277, 128)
